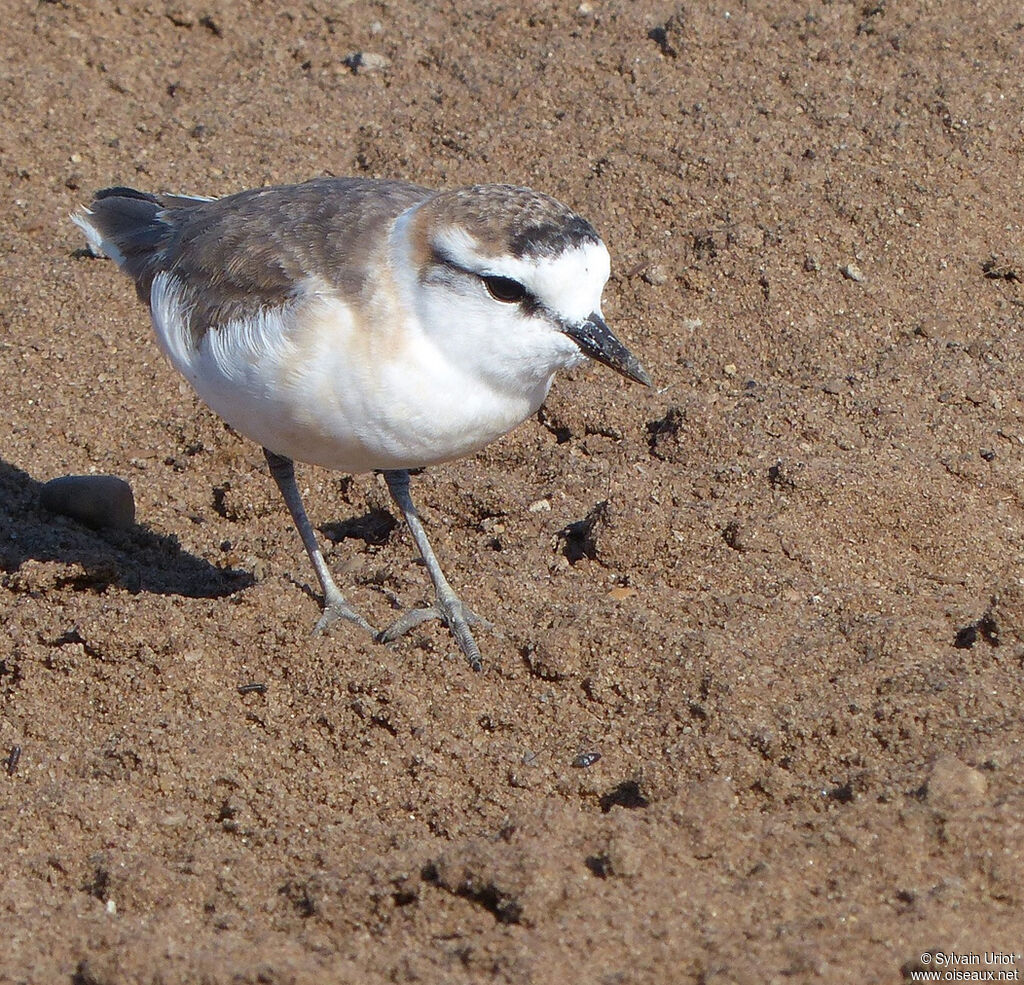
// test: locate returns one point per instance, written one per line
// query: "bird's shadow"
(135, 559)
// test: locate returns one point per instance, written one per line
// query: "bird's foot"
(454, 613)
(336, 608)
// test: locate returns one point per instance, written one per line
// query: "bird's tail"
(131, 227)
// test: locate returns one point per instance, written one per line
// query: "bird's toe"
(455, 614)
(336, 609)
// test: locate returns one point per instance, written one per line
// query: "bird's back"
(238, 255)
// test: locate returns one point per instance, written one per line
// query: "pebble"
(953, 784)
(95, 500)
(655, 275)
(851, 272)
(366, 61)
(180, 16)
(621, 592)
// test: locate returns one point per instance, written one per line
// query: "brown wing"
(243, 253)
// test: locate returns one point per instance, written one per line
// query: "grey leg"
(448, 607)
(335, 606)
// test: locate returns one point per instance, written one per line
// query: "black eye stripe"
(504, 289)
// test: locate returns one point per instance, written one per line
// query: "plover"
(366, 325)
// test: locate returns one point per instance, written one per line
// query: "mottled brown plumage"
(512, 221)
(242, 253)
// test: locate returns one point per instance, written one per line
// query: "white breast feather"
(309, 381)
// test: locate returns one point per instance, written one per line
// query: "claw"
(335, 608)
(457, 616)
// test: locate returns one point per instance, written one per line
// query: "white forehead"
(569, 282)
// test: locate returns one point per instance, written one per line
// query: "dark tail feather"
(132, 228)
(125, 225)
(123, 191)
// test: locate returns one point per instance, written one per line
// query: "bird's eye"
(505, 289)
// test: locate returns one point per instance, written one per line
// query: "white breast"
(318, 383)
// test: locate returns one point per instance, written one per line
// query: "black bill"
(595, 338)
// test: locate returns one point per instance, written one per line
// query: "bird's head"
(507, 272)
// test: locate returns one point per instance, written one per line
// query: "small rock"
(95, 500)
(747, 235)
(626, 857)
(366, 61)
(977, 395)
(737, 536)
(621, 592)
(851, 272)
(655, 275)
(953, 785)
(180, 16)
(849, 439)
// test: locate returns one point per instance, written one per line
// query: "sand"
(751, 710)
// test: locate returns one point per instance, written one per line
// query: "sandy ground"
(780, 595)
